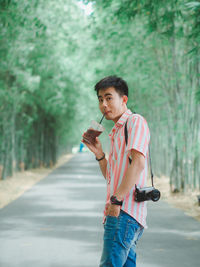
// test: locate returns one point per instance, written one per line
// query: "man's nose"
(104, 103)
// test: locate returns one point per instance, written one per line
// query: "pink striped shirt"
(118, 162)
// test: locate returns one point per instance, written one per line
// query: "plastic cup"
(94, 131)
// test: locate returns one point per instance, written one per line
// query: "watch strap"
(103, 157)
(115, 201)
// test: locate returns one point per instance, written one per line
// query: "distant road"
(58, 223)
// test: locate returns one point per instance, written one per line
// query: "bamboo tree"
(166, 26)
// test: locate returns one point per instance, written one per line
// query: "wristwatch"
(115, 201)
(103, 157)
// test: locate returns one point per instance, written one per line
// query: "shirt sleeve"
(138, 134)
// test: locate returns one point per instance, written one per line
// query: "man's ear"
(125, 99)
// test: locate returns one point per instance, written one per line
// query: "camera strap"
(130, 160)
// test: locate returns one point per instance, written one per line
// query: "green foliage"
(52, 54)
(154, 45)
(42, 77)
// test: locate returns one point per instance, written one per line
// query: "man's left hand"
(113, 210)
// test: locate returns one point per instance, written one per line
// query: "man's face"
(111, 103)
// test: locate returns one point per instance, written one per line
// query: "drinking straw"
(102, 118)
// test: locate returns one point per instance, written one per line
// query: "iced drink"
(94, 131)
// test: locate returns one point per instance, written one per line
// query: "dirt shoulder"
(13, 187)
(186, 202)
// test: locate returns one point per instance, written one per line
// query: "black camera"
(146, 193)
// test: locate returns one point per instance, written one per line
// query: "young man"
(125, 218)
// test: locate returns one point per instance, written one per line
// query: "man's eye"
(108, 98)
(100, 100)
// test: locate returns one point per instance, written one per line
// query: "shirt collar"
(123, 118)
(120, 122)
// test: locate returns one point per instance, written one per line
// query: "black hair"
(112, 81)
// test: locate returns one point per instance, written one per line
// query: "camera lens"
(155, 195)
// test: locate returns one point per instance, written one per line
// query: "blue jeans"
(120, 237)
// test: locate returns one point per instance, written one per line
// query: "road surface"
(58, 223)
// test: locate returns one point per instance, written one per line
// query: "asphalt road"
(58, 223)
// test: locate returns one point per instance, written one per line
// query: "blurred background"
(54, 51)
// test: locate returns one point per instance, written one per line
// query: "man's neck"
(118, 117)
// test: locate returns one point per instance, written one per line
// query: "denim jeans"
(120, 237)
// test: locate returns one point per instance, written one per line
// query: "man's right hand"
(96, 148)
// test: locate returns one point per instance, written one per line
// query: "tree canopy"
(52, 54)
